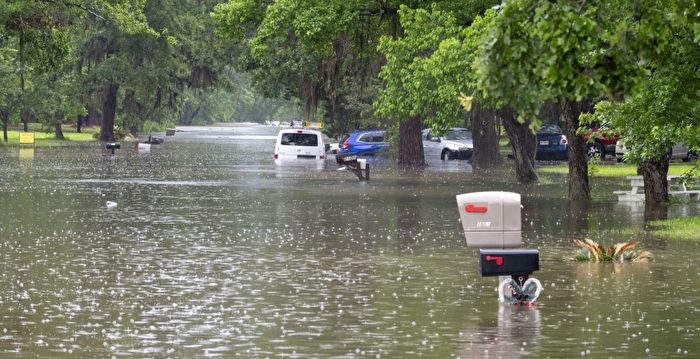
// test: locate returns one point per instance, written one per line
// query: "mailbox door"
(481, 211)
(490, 219)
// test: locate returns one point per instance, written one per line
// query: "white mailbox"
(490, 219)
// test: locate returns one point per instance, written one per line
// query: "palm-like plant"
(592, 251)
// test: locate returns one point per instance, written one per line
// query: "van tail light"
(321, 157)
(563, 140)
(346, 145)
(276, 156)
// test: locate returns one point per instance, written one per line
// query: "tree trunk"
(93, 117)
(578, 162)
(24, 117)
(483, 123)
(79, 123)
(5, 123)
(523, 141)
(132, 109)
(410, 143)
(58, 122)
(23, 113)
(655, 174)
(109, 110)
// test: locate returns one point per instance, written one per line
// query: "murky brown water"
(213, 251)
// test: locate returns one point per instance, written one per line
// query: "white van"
(302, 144)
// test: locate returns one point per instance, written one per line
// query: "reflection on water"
(215, 251)
(514, 334)
(26, 153)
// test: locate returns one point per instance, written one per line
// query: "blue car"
(361, 143)
(551, 144)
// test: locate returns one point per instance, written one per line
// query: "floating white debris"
(111, 204)
(143, 147)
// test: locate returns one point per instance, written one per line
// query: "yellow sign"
(26, 138)
(313, 124)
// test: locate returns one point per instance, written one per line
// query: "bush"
(153, 126)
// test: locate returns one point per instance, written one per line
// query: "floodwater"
(213, 251)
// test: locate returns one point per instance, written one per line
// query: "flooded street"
(212, 250)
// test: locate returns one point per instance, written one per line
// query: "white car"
(454, 143)
(300, 144)
(334, 148)
(678, 152)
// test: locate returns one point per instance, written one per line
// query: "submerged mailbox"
(490, 219)
(513, 262)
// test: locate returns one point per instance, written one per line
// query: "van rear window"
(299, 139)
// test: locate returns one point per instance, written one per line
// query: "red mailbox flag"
(498, 260)
(470, 208)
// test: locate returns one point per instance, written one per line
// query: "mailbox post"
(492, 222)
(358, 166)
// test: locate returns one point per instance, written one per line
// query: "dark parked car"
(362, 143)
(551, 144)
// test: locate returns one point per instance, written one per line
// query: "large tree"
(570, 52)
(320, 52)
(426, 70)
(411, 94)
(665, 112)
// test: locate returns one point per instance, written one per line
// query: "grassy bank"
(617, 170)
(48, 139)
(677, 228)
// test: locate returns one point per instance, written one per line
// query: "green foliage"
(152, 126)
(620, 252)
(424, 70)
(321, 53)
(677, 228)
(619, 170)
(536, 51)
(48, 139)
(665, 111)
(594, 165)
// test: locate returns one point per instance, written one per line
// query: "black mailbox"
(113, 146)
(513, 262)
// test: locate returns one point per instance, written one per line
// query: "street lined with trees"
(141, 65)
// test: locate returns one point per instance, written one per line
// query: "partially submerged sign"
(313, 124)
(26, 138)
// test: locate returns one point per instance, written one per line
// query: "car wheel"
(601, 149)
(446, 155)
(590, 151)
(598, 148)
(690, 156)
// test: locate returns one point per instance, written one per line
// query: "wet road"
(212, 250)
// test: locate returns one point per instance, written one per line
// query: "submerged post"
(359, 167)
